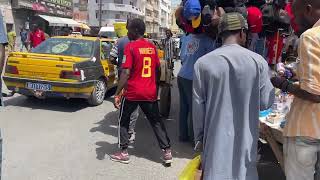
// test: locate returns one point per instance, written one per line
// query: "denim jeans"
(185, 115)
(302, 158)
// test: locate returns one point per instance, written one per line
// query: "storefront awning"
(58, 21)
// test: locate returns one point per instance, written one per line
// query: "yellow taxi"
(66, 66)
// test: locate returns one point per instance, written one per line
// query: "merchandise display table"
(272, 133)
(272, 122)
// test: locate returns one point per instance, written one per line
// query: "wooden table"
(273, 134)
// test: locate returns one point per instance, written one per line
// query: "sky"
(175, 3)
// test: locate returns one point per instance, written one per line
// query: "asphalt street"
(59, 139)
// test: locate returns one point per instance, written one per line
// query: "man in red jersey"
(139, 77)
(36, 36)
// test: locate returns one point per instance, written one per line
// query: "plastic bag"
(191, 171)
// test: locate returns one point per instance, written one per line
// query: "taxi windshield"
(66, 47)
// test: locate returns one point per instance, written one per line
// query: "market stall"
(59, 25)
(272, 122)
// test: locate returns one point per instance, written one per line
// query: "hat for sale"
(232, 22)
(192, 11)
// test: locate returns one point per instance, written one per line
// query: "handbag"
(193, 170)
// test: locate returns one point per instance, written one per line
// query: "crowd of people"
(28, 38)
(224, 83)
(227, 54)
(231, 84)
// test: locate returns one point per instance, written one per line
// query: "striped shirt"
(168, 48)
(304, 116)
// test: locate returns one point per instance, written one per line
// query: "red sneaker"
(167, 156)
(122, 157)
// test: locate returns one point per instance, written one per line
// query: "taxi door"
(108, 67)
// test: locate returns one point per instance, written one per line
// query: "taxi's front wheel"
(98, 93)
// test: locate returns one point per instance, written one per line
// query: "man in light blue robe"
(231, 85)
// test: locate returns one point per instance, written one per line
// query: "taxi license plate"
(38, 86)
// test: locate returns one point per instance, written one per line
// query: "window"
(118, 1)
(66, 46)
(118, 16)
(106, 49)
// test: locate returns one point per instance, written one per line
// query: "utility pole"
(100, 13)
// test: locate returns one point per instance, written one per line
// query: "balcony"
(156, 8)
(149, 18)
(122, 8)
(164, 8)
(149, 7)
(167, 1)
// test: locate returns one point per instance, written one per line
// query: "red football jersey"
(141, 58)
(254, 19)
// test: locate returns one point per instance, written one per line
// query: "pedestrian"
(255, 24)
(140, 71)
(116, 55)
(36, 36)
(231, 85)
(302, 130)
(24, 39)
(192, 48)
(3, 43)
(169, 44)
(11, 34)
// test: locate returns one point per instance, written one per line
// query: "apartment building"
(157, 17)
(114, 11)
(165, 19)
(173, 26)
(152, 17)
(6, 12)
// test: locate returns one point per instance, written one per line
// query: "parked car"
(66, 66)
(108, 32)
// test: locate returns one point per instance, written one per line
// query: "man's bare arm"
(295, 89)
(300, 93)
(123, 80)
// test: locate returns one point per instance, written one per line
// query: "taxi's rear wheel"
(98, 93)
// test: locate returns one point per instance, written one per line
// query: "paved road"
(68, 140)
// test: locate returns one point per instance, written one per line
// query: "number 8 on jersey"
(146, 70)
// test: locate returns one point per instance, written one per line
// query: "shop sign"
(66, 3)
(54, 7)
(81, 16)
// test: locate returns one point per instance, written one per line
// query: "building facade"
(6, 11)
(41, 12)
(114, 11)
(80, 11)
(152, 17)
(173, 26)
(157, 17)
(165, 10)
